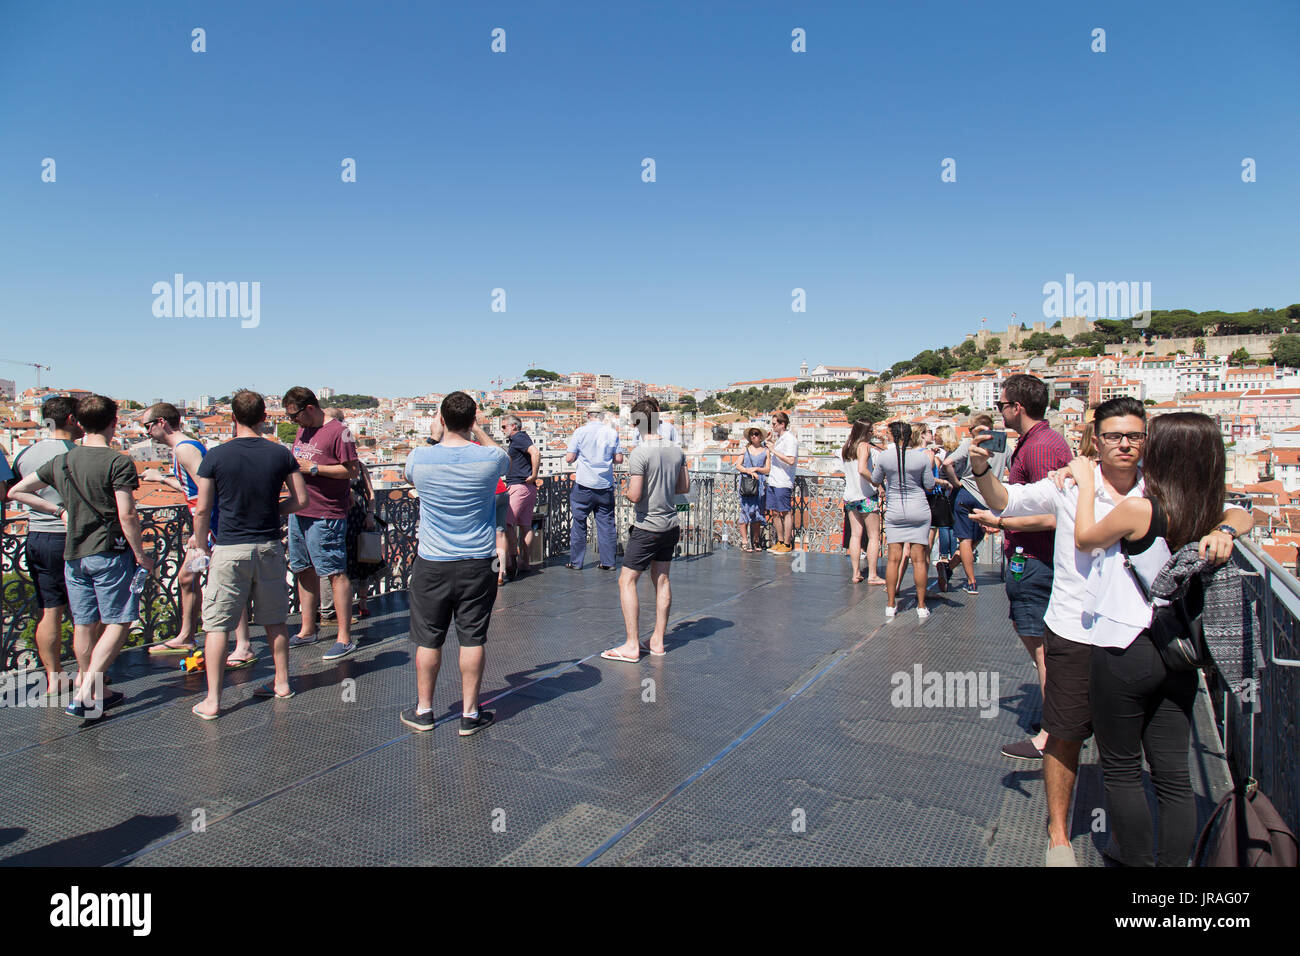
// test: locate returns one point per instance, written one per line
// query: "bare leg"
(873, 549)
(49, 638)
(277, 636)
(1060, 768)
(967, 558)
(663, 604)
(471, 677)
(308, 600)
(83, 641)
(243, 642)
(627, 599)
(920, 571)
(893, 567)
(342, 588)
(102, 654)
(427, 662)
(855, 544)
(214, 662)
(1034, 645)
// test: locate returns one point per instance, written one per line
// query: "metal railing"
(1260, 727)
(710, 517)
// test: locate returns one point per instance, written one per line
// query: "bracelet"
(981, 474)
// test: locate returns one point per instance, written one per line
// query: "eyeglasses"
(1114, 438)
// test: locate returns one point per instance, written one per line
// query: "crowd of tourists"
(1092, 542)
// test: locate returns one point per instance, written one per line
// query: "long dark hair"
(1183, 465)
(902, 434)
(860, 433)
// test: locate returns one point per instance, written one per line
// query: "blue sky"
(522, 171)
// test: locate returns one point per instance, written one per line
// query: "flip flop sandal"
(268, 690)
(186, 649)
(614, 655)
(239, 665)
(204, 716)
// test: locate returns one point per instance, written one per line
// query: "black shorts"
(446, 591)
(1067, 704)
(45, 564)
(645, 546)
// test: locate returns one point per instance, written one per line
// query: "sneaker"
(1022, 750)
(922, 613)
(339, 650)
(297, 641)
(418, 721)
(970, 588)
(113, 698)
(76, 709)
(942, 569)
(328, 614)
(890, 612)
(472, 725)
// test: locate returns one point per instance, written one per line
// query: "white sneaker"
(890, 611)
(922, 613)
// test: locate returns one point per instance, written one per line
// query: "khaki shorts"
(242, 571)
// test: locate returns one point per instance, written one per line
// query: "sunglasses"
(150, 423)
(1000, 405)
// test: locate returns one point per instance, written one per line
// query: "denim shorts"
(320, 543)
(99, 588)
(1029, 596)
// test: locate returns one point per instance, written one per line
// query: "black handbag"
(749, 486)
(1175, 628)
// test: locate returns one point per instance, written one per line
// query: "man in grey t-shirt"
(47, 534)
(968, 499)
(656, 474)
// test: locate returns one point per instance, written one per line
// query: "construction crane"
(36, 365)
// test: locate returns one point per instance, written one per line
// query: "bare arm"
(297, 499)
(203, 515)
(130, 521)
(991, 488)
(683, 480)
(535, 457)
(1043, 522)
(635, 488)
(482, 437)
(24, 492)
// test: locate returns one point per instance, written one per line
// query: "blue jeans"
(584, 500)
(947, 543)
(320, 543)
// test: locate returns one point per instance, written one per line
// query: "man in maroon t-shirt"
(318, 534)
(1039, 452)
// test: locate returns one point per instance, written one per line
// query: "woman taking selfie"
(907, 474)
(1140, 706)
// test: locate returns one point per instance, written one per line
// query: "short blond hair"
(946, 436)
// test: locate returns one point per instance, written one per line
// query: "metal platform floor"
(767, 735)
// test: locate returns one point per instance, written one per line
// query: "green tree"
(1286, 351)
(131, 405)
(710, 406)
(1239, 358)
(994, 345)
(542, 375)
(497, 412)
(963, 409)
(1198, 348)
(286, 431)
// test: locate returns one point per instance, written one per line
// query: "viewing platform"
(767, 735)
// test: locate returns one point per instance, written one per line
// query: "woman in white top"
(861, 502)
(1138, 705)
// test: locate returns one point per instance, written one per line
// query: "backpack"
(1245, 829)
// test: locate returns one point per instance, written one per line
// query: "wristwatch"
(1229, 530)
(314, 469)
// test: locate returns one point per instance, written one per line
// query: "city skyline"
(522, 171)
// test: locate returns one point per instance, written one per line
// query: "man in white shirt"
(780, 483)
(1067, 711)
(594, 449)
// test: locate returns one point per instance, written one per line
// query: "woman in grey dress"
(907, 473)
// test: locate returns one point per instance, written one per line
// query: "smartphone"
(997, 445)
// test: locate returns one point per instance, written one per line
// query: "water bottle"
(137, 582)
(200, 563)
(1018, 562)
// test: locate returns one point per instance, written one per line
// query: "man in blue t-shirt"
(455, 573)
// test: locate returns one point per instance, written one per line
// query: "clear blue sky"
(522, 170)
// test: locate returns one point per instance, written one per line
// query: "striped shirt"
(1039, 451)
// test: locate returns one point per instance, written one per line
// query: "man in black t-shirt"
(244, 477)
